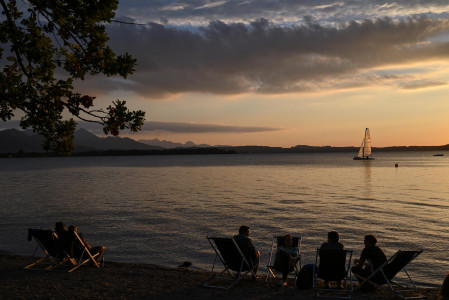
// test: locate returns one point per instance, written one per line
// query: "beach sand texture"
(142, 281)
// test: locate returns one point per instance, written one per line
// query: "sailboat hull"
(363, 158)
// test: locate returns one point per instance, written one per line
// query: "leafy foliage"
(44, 46)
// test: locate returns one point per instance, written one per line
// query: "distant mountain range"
(16, 141)
(13, 141)
(170, 145)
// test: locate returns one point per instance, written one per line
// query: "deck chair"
(333, 265)
(271, 266)
(236, 266)
(389, 269)
(86, 256)
(55, 256)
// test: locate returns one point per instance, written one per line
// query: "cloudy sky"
(284, 72)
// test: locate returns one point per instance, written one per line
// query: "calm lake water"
(159, 209)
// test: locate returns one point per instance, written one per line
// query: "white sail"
(365, 148)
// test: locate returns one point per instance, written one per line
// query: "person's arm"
(360, 262)
(293, 251)
(85, 243)
(255, 253)
(285, 249)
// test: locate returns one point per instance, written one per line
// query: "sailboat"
(365, 149)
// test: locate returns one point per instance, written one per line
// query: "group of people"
(286, 255)
(74, 244)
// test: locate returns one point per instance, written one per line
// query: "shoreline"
(117, 280)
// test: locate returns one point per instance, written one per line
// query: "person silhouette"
(245, 244)
(371, 258)
(285, 258)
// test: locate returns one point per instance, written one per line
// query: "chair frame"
(334, 292)
(394, 287)
(55, 261)
(245, 267)
(272, 257)
(90, 256)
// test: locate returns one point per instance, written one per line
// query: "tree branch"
(49, 20)
(12, 36)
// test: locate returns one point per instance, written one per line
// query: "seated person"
(371, 259)
(285, 258)
(246, 246)
(64, 242)
(332, 244)
(60, 228)
(78, 248)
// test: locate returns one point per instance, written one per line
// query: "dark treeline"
(227, 150)
(176, 151)
(327, 149)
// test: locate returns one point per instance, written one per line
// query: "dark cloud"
(280, 51)
(180, 127)
(423, 84)
(172, 127)
(261, 57)
(202, 11)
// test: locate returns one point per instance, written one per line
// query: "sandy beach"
(141, 281)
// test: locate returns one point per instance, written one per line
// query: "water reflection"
(367, 171)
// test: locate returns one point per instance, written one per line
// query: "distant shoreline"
(228, 150)
(15, 143)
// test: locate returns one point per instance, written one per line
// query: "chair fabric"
(55, 255)
(273, 261)
(47, 239)
(57, 252)
(236, 266)
(333, 265)
(390, 269)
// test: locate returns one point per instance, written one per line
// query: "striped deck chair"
(272, 268)
(389, 269)
(236, 267)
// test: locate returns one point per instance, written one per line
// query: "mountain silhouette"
(84, 139)
(14, 141)
(170, 145)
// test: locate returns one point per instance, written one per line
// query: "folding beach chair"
(333, 265)
(272, 264)
(85, 256)
(235, 264)
(389, 269)
(55, 256)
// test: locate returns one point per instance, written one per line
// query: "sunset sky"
(284, 73)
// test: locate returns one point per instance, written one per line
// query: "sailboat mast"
(364, 141)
